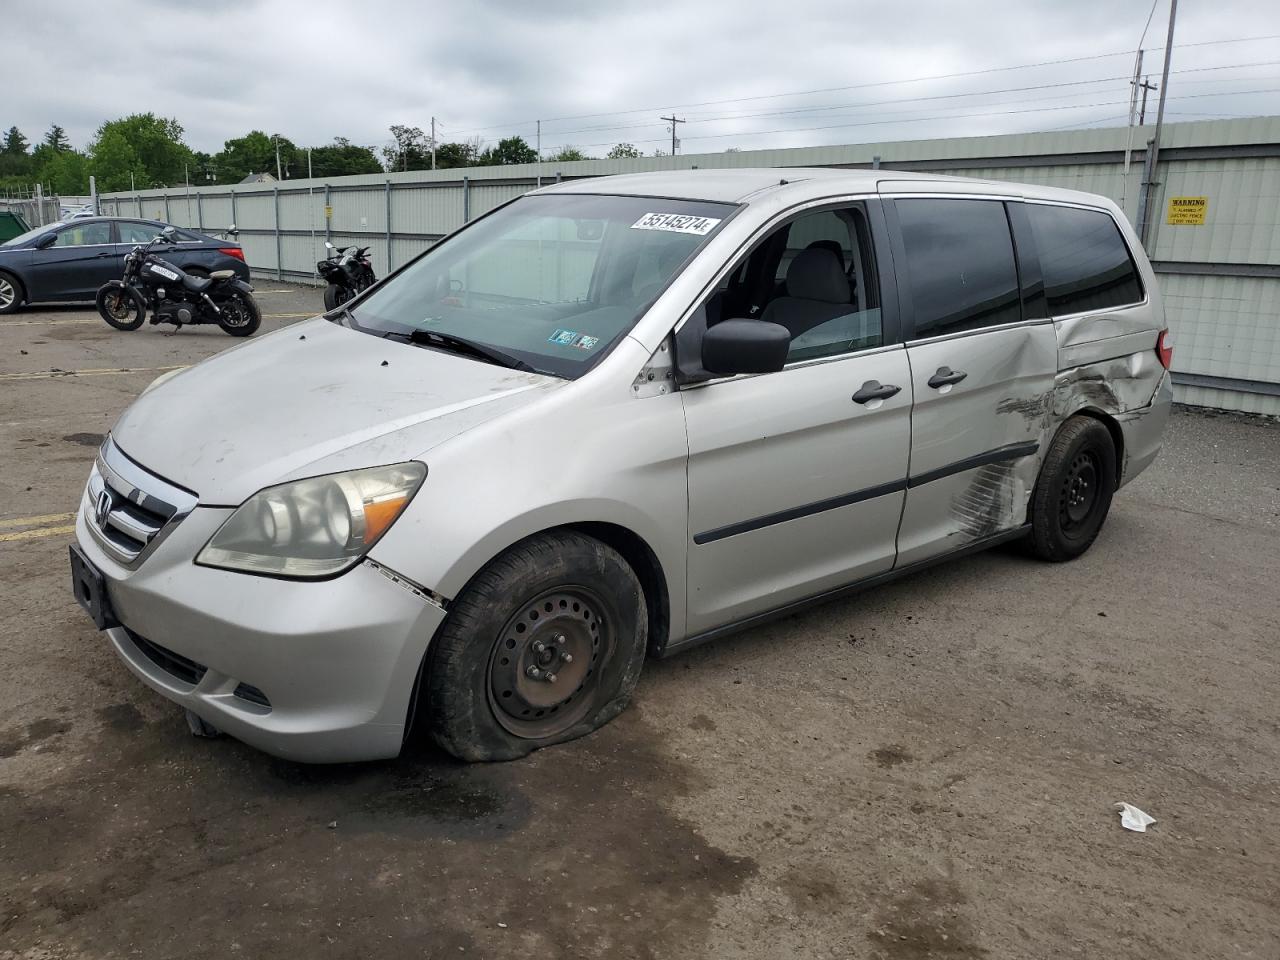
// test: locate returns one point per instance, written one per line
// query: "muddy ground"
(925, 771)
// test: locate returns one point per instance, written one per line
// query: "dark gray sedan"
(70, 261)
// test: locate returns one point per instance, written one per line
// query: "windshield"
(553, 281)
(22, 238)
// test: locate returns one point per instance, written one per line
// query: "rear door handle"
(875, 390)
(945, 376)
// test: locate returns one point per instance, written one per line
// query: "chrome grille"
(128, 509)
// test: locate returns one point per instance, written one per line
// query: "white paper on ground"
(1131, 818)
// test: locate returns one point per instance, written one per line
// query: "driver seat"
(817, 291)
(196, 284)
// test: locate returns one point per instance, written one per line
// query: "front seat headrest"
(816, 274)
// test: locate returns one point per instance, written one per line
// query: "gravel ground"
(924, 771)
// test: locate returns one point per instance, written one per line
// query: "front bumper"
(336, 660)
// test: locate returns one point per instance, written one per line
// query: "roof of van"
(742, 184)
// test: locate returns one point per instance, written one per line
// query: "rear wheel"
(240, 316)
(11, 293)
(335, 296)
(545, 645)
(121, 307)
(1073, 495)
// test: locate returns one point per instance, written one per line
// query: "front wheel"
(543, 646)
(122, 307)
(335, 296)
(239, 315)
(1073, 495)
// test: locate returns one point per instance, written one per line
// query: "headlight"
(316, 527)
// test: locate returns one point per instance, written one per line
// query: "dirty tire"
(482, 703)
(335, 296)
(248, 318)
(122, 307)
(1073, 494)
(11, 293)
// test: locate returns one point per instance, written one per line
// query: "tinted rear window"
(959, 265)
(1083, 257)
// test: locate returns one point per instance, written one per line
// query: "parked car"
(611, 419)
(70, 261)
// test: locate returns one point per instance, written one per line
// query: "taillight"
(233, 252)
(1164, 348)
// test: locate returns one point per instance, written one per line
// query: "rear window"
(960, 265)
(1083, 257)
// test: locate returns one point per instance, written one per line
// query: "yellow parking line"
(34, 534)
(53, 320)
(281, 316)
(104, 372)
(36, 521)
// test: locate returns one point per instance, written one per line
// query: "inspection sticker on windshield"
(676, 223)
(586, 343)
(563, 337)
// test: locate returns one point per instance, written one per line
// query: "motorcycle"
(347, 274)
(151, 283)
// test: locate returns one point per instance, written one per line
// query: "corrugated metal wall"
(1221, 279)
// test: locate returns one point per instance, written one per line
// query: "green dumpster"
(11, 225)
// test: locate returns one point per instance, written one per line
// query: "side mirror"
(232, 229)
(328, 245)
(745, 346)
(169, 231)
(46, 241)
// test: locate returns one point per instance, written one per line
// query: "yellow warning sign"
(1187, 211)
(328, 212)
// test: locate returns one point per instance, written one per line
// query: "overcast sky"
(319, 69)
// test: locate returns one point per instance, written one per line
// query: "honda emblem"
(102, 508)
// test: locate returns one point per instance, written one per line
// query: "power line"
(863, 86)
(951, 116)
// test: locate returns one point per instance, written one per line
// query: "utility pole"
(673, 120)
(1145, 86)
(1144, 217)
(433, 143)
(279, 175)
(539, 148)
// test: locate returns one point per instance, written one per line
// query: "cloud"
(314, 70)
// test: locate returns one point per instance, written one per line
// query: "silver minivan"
(609, 420)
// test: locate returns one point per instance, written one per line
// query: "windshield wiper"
(481, 351)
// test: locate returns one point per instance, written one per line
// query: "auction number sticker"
(676, 223)
(164, 272)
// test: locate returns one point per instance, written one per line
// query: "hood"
(313, 398)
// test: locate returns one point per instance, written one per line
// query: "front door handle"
(945, 376)
(106, 253)
(875, 390)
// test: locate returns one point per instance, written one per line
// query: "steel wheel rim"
(7, 293)
(546, 662)
(1079, 498)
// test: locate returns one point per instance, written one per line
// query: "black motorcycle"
(174, 296)
(346, 274)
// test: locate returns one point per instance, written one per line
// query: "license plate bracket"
(90, 589)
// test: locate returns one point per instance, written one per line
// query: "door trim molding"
(1012, 451)
(795, 513)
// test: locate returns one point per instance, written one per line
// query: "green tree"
(623, 151)
(156, 145)
(117, 165)
(410, 151)
(255, 152)
(450, 155)
(56, 139)
(14, 142)
(342, 158)
(15, 162)
(508, 150)
(64, 172)
(569, 153)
